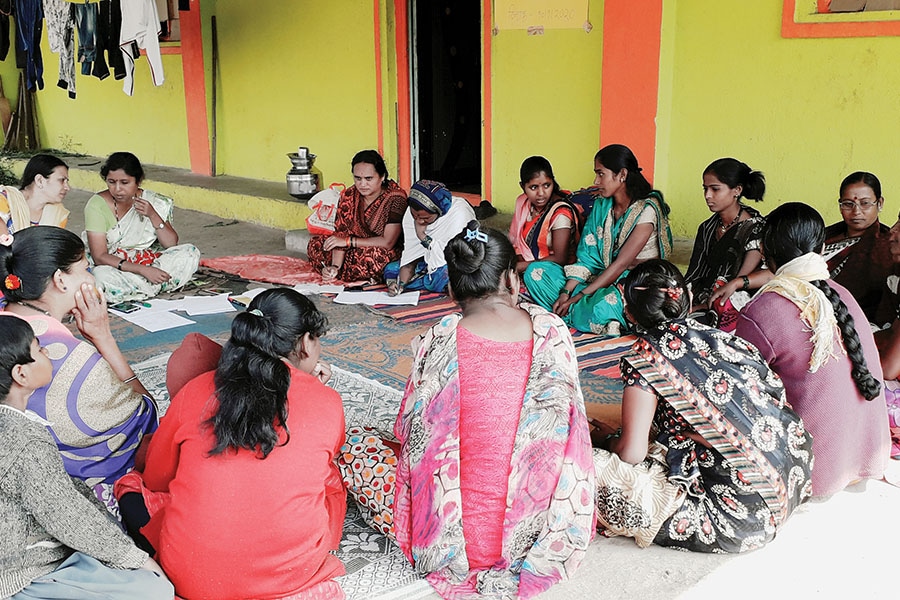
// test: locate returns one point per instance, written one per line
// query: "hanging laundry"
(109, 28)
(86, 19)
(60, 27)
(140, 24)
(29, 26)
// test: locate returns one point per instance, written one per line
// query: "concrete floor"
(214, 236)
(841, 547)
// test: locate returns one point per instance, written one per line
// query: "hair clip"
(256, 312)
(674, 293)
(12, 282)
(6, 240)
(475, 234)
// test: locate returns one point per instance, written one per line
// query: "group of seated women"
(380, 232)
(133, 246)
(488, 482)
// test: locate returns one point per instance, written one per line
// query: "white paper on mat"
(155, 320)
(315, 288)
(244, 298)
(206, 305)
(373, 298)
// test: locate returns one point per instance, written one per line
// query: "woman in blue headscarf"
(433, 218)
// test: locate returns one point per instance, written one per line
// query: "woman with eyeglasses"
(857, 249)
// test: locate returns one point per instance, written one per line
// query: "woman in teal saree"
(627, 226)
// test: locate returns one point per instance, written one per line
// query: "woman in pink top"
(495, 484)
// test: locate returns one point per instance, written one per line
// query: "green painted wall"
(806, 112)
(546, 101)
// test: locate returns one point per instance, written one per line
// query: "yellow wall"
(546, 101)
(294, 74)
(806, 112)
(102, 119)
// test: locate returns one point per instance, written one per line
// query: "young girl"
(727, 244)
(54, 541)
(545, 225)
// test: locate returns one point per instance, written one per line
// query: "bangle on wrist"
(121, 262)
(130, 379)
(565, 291)
(746, 281)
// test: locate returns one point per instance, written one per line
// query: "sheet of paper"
(244, 298)
(373, 298)
(155, 320)
(206, 305)
(316, 288)
(158, 305)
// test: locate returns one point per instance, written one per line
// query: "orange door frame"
(404, 130)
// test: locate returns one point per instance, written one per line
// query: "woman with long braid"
(834, 383)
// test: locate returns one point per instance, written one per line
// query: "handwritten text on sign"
(549, 14)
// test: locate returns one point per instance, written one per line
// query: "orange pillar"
(630, 79)
(195, 89)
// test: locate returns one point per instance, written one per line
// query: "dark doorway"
(446, 75)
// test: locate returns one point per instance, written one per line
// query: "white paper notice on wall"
(539, 15)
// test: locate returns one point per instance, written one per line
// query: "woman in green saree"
(628, 225)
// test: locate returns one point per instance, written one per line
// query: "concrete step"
(249, 200)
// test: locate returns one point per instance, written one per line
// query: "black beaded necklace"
(32, 307)
(723, 227)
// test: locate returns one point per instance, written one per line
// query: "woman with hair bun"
(38, 199)
(832, 381)
(857, 248)
(494, 485)
(628, 225)
(730, 460)
(727, 244)
(241, 497)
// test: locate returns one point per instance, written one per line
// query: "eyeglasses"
(847, 205)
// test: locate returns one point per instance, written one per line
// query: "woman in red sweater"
(242, 492)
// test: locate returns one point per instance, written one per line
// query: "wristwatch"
(162, 225)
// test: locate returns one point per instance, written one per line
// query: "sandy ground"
(837, 548)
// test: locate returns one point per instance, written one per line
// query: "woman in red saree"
(368, 225)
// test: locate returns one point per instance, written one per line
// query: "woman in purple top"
(804, 325)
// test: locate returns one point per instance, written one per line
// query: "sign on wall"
(537, 15)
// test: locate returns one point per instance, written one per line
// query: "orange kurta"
(235, 526)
